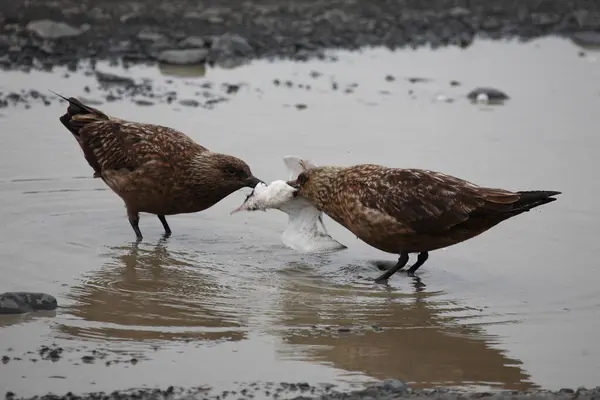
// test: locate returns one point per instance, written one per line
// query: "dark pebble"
(23, 302)
(492, 94)
(301, 106)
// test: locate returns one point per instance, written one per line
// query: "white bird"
(305, 231)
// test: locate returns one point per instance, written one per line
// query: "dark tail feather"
(533, 198)
(78, 115)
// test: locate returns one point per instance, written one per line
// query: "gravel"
(62, 32)
(387, 390)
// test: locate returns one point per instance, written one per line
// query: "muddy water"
(222, 300)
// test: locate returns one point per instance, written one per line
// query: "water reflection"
(182, 71)
(16, 319)
(409, 335)
(151, 293)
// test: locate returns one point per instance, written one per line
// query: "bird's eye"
(233, 172)
(302, 178)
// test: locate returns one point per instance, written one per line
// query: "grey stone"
(189, 103)
(23, 302)
(586, 38)
(394, 385)
(183, 57)
(492, 94)
(150, 36)
(231, 44)
(113, 79)
(193, 42)
(48, 29)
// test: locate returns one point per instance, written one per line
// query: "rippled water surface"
(223, 301)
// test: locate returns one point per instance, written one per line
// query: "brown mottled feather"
(154, 168)
(410, 210)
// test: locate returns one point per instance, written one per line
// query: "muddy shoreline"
(40, 34)
(389, 389)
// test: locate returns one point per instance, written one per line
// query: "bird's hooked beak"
(253, 181)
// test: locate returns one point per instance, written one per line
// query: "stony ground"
(43, 33)
(386, 390)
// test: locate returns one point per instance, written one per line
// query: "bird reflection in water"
(416, 336)
(152, 293)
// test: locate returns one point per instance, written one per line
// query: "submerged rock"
(23, 302)
(48, 29)
(183, 57)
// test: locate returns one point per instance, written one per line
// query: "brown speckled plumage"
(406, 211)
(154, 169)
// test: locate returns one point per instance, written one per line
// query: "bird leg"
(165, 225)
(134, 220)
(399, 265)
(422, 257)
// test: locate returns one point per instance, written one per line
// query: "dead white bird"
(305, 231)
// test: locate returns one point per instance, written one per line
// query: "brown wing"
(431, 202)
(119, 145)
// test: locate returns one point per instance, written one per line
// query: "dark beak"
(253, 181)
(294, 184)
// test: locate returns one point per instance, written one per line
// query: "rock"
(151, 36)
(23, 302)
(48, 29)
(394, 385)
(112, 79)
(303, 107)
(231, 45)
(183, 57)
(492, 94)
(189, 103)
(142, 102)
(194, 42)
(586, 39)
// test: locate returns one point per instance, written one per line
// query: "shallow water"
(222, 300)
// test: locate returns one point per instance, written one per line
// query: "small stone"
(142, 102)
(5, 359)
(301, 106)
(48, 29)
(189, 103)
(454, 83)
(150, 36)
(491, 93)
(394, 385)
(183, 57)
(343, 329)
(194, 42)
(112, 79)
(390, 78)
(88, 359)
(586, 38)
(418, 80)
(231, 44)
